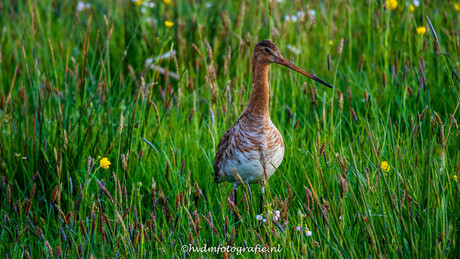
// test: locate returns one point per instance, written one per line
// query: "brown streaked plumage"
(253, 146)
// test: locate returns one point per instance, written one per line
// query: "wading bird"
(253, 147)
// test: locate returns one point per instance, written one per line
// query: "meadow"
(111, 113)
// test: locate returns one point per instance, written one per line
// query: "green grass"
(74, 87)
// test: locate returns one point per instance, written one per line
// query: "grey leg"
(249, 190)
(262, 191)
(235, 201)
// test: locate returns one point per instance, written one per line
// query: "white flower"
(207, 4)
(301, 15)
(259, 218)
(82, 6)
(150, 20)
(312, 14)
(279, 1)
(290, 18)
(149, 4)
(416, 3)
(294, 49)
(307, 232)
(277, 215)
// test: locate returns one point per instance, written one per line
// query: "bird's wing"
(224, 143)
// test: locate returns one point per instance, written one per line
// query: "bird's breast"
(251, 143)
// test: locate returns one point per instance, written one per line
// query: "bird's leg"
(249, 190)
(262, 191)
(262, 184)
(235, 201)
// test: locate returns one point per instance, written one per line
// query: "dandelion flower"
(137, 2)
(391, 4)
(421, 30)
(457, 7)
(455, 178)
(411, 8)
(105, 163)
(168, 2)
(169, 24)
(385, 166)
(331, 42)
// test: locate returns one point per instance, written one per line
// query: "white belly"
(249, 165)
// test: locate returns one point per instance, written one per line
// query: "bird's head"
(267, 52)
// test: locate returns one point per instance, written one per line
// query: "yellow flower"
(391, 4)
(330, 42)
(167, 2)
(138, 2)
(385, 166)
(104, 163)
(168, 24)
(421, 30)
(457, 7)
(411, 8)
(455, 178)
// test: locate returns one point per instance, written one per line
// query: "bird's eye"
(266, 51)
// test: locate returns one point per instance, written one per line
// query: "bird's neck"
(260, 93)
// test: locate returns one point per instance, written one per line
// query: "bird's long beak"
(284, 62)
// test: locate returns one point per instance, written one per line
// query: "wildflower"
(168, 2)
(455, 178)
(294, 49)
(391, 4)
(276, 214)
(416, 3)
(169, 24)
(207, 4)
(312, 14)
(305, 229)
(457, 7)
(104, 163)
(421, 30)
(411, 8)
(149, 4)
(301, 15)
(385, 166)
(137, 2)
(330, 42)
(260, 218)
(82, 6)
